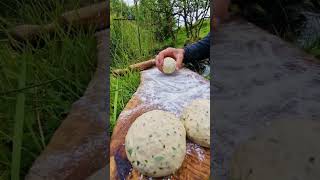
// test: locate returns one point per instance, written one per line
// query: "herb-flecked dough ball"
(156, 143)
(196, 119)
(169, 65)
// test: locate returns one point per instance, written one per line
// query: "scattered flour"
(172, 92)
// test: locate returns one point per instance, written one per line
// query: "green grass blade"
(18, 126)
(115, 102)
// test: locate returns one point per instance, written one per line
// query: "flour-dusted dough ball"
(196, 119)
(169, 65)
(156, 143)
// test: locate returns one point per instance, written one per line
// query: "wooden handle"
(143, 65)
(139, 67)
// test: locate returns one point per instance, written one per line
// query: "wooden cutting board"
(165, 92)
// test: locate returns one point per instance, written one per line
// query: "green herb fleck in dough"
(130, 151)
(138, 162)
(146, 161)
(137, 147)
(159, 158)
(164, 146)
(150, 135)
(154, 172)
(168, 134)
(174, 148)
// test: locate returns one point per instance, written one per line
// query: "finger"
(169, 52)
(157, 62)
(179, 60)
(160, 58)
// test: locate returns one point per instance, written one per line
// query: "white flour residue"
(172, 92)
(198, 150)
(128, 112)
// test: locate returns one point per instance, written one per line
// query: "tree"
(193, 13)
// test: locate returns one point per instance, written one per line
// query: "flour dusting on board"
(197, 149)
(172, 92)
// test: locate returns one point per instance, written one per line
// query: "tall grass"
(56, 76)
(19, 120)
(121, 91)
(125, 50)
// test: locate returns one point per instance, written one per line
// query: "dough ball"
(196, 119)
(169, 65)
(156, 143)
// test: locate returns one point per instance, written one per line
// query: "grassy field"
(38, 85)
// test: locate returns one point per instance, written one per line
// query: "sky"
(129, 2)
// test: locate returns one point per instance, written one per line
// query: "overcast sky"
(129, 2)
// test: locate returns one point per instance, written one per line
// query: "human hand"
(176, 53)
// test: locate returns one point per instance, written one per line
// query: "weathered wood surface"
(258, 79)
(170, 93)
(79, 147)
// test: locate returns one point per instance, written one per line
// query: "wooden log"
(139, 67)
(96, 15)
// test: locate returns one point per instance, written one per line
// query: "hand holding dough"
(169, 65)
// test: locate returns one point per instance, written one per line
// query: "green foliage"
(314, 48)
(125, 43)
(19, 119)
(56, 76)
(182, 38)
(121, 91)
(120, 9)
(193, 13)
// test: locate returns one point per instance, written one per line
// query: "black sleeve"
(197, 51)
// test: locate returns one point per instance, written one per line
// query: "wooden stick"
(139, 66)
